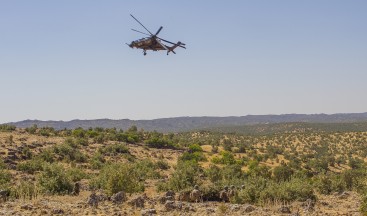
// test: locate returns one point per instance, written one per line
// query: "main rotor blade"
(164, 46)
(158, 30)
(140, 32)
(181, 45)
(141, 24)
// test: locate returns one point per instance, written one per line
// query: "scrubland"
(302, 172)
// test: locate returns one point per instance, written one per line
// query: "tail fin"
(170, 49)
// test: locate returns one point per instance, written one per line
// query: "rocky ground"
(151, 202)
(346, 203)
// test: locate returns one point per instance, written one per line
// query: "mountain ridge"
(185, 123)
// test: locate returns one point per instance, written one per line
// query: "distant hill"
(291, 127)
(179, 124)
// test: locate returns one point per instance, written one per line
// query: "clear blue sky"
(63, 60)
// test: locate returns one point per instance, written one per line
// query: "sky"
(64, 60)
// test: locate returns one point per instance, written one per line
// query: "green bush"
(282, 173)
(53, 180)
(156, 142)
(195, 156)
(185, 176)
(47, 155)
(7, 127)
(226, 158)
(31, 166)
(259, 171)
(100, 139)
(251, 192)
(5, 177)
(2, 164)
(259, 190)
(214, 173)
(163, 165)
(363, 207)
(323, 183)
(146, 169)
(69, 152)
(32, 129)
(288, 191)
(114, 149)
(97, 161)
(82, 141)
(195, 148)
(76, 174)
(118, 177)
(79, 133)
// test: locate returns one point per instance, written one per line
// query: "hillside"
(179, 124)
(293, 127)
(302, 173)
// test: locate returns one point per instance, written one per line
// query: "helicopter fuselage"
(146, 44)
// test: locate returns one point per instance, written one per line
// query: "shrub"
(259, 190)
(117, 148)
(68, 152)
(323, 184)
(282, 173)
(184, 177)
(7, 127)
(25, 190)
(46, 131)
(47, 155)
(251, 192)
(163, 165)
(5, 177)
(79, 133)
(146, 169)
(195, 148)
(31, 166)
(76, 174)
(2, 164)
(97, 161)
(54, 180)
(119, 177)
(363, 207)
(99, 139)
(356, 163)
(156, 142)
(26, 152)
(32, 129)
(288, 191)
(232, 174)
(214, 173)
(260, 171)
(226, 158)
(195, 156)
(82, 141)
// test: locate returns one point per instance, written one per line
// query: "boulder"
(148, 212)
(138, 201)
(170, 205)
(119, 197)
(249, 208)
(58, 211)
(284, 210)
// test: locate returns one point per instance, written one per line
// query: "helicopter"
(153, 42)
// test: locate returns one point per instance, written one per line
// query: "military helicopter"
(153, 42)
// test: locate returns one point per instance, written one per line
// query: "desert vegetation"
(262, 168)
